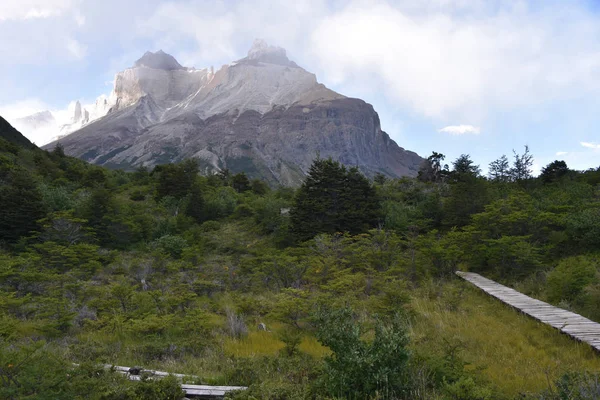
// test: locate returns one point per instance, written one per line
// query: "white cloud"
(41, 134)
(79, 19)
(442, 59)
(445, 63)
(224, 30)
(562, 153)
(33, 9)
(22, 108)
(461, 130)
(76, 49)
(590, 145)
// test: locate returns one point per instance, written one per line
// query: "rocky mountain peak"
(263, 52)
(158, 60)
(77, 113)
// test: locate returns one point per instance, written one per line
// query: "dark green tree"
(468, 192)
(333, 199)
(464, 169)
(240, 182)
(259, 187)
(432, 169)
(21, 205)
(379, 178)
(554, 171)
(521, 169)
(195, 204)
(176, 179)
(499, 170)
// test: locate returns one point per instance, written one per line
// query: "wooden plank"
(569, 323)
(198, 391)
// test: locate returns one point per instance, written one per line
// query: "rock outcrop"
(262, 114)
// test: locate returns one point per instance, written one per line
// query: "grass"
(267, 343)
(511, 351)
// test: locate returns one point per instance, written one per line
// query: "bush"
(570, 277)
(170, 244)
(359, 369)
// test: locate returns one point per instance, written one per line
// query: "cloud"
(461, 130)
(79, 19)
(223, 32)
(40, 134)
(590, 145)
(76, 49)
(22, 108)
(33, 9)
(444, 62)
(562, 153)
(440, 59)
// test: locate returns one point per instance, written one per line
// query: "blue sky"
(461, 76)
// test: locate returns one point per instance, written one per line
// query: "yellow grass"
(267, 343)
(513, 352)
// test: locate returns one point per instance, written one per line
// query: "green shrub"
(170, 244)
(357, 368)
(570, 277)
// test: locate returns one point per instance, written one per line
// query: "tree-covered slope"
(172, 270)
(10, 134)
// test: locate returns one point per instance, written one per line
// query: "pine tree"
(521, 169)
(554, 171)
(240, 182)
(21, 205)
(333, 199)
(176, 179)
(195, 204)
(499, 170)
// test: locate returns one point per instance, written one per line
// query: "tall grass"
(508, 349)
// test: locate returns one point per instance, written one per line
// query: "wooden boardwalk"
(574, 325)
(196, 391)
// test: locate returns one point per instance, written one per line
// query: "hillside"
(172, 270)
(10, 134)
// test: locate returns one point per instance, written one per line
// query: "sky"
(453, 76)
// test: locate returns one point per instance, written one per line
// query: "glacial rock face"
(263, 115)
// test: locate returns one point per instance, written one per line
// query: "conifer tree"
(195, 204)
(333, 199)
(21, 205)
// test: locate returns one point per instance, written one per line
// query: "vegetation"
(343, 288)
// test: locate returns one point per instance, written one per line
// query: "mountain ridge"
(263, 115)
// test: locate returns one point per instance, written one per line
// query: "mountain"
(262, 114)
(10, 134)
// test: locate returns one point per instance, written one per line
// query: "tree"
(358, 369)
(554, 171)
(240, 182)
(499, 170)
(333, 199)
(464, 169)
(522, 164)
(195, 204)
(380, 178)
(259, 187)
(96, 210)
(21, 205)
(176, 179)
(468, 192)
(432, 170)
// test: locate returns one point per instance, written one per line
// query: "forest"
(351, 280)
